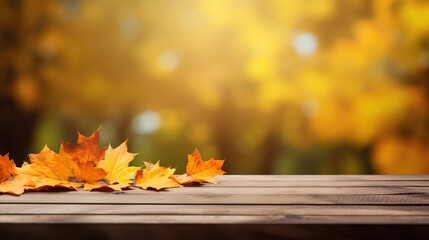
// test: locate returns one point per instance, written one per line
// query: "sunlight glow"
(168, 61)
(305, 44)
(147, 122)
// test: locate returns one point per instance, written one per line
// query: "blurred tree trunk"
(17, 77)
(224, 123)
(271, 147)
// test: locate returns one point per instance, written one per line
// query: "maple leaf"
(155, 176)
(200, 171)
(15, 186)
(87, 149)
(7, 168)
(86, 155)
(115, 164)
(49, 169)
(9, 182)
(89, 173)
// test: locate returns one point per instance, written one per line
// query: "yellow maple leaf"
(155, 176)
(15, 186)
(115, 164)
(200, 171)
(49, 169)
(9, 181)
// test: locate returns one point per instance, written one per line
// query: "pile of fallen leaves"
(95, 168)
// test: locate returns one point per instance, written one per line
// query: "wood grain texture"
(258, 199)
(212, 198)
(388, 190)
(108, 209)
(212, 219)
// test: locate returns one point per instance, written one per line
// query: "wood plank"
(282, 190)
(211, 219)
(210, 198)
(339, 199)
(108, 209)
(326, 177)
(315, 183)
(392, 190)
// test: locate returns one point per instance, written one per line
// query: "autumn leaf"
(87, 149)
(98, 168)
(89, 173)
(86, 155)
(7, 168)
(155, 176)
(49, 169)
(115, 164)
(9, 183)
(200, 171)
(14, 186)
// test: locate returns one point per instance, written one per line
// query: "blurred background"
(272, 86)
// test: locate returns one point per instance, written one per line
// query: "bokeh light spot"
(310, 108)
(130, 27)
(168, 61)
(305, 44)
(146, 122)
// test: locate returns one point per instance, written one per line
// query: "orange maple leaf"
(115, 164)
(49, 169)
(7, 168)
(15, 186)
(155, 176)
(200, 171)
(86, 155)
(9, 181)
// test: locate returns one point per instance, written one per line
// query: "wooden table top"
(242, 199)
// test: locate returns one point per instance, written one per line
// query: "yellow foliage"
(411, 155)
(270, 76)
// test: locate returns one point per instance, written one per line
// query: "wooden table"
(294, 205)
